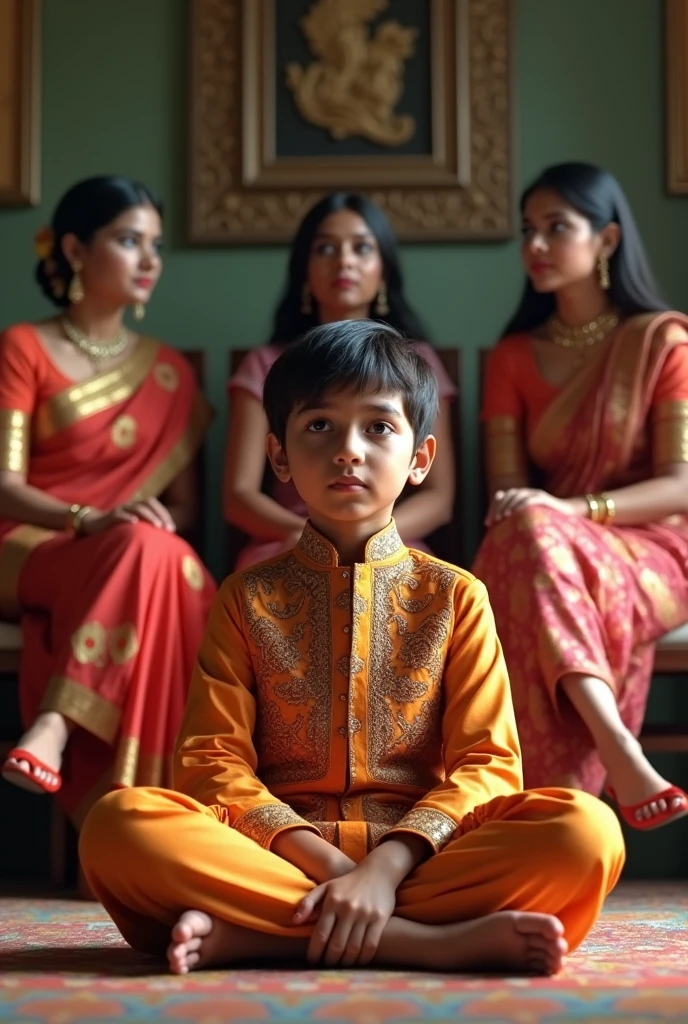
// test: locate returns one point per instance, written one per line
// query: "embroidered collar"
(382, 546)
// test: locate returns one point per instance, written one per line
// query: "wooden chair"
(447, 541)
(671, 651)
(10, 661)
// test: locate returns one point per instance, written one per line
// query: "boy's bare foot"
(199, 940)
(510, 940)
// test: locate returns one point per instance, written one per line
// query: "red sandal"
(26, 777)
(634, 814)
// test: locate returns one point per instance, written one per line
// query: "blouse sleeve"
(501, 396)
(446, 389)
(18, 388)
(503, 416)
(669, 414)
(252, 371)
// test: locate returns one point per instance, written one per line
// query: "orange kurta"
(354, 702)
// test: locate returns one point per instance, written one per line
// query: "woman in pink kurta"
(344, 265)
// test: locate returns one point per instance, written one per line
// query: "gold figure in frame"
(357, 81)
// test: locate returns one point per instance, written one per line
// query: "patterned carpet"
(63, 962)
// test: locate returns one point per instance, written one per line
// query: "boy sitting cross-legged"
(348, 773)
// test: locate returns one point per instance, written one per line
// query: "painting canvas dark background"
(297, 138)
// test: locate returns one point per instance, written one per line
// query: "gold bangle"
(75, 518)
(595, 506)
(610, 506)
(69, 518)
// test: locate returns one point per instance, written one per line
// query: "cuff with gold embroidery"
(14, 440)
(670, 433)
(436, 827)
(264, 822)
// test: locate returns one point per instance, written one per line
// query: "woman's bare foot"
(631, 776)
(46, 740)
(510, 940)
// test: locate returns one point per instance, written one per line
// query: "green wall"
(114, 99)
(589, 85)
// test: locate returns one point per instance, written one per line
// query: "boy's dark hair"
(361, 354)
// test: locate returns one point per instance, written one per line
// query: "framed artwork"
(677, 95)
(20, 102)
(409, 101)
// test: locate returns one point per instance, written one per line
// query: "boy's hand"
(351, 913)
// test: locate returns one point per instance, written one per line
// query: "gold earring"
(75, 293)
(381, 303)
(306, 300)
(603, 271)
(139, 311)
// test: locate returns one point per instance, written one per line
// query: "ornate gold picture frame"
(20, 102)
(409, 101)
(677, 95)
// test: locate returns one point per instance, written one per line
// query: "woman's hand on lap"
(505, 503)
(149, 510)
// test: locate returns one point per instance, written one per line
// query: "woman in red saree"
(98, 430)
(586, 554)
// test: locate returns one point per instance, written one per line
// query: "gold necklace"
(584, 337)
(97, 351)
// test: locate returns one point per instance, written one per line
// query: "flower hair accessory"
(44, 243)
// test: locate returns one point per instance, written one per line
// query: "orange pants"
(150, 854)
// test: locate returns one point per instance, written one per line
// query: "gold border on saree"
(670, 432)
(14, 440)
(83, 706)
(181, 454)
(96, 394)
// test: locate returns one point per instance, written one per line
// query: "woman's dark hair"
(87, 206)
(360, 354)
(290, 322)
(597, 195)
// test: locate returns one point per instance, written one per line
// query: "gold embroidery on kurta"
(375, 833)
(384, 545)
(89, 644)
(124, 431)
(166, 376)
(386, 812)
(123, 643)
(404, 709)
(14, 440)
(434, 825)
(316, 547)
(288, 613)
(261, 823)
(192, 572)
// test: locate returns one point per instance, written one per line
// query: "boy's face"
(351, 457)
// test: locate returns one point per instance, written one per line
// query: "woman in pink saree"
(586, 554)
